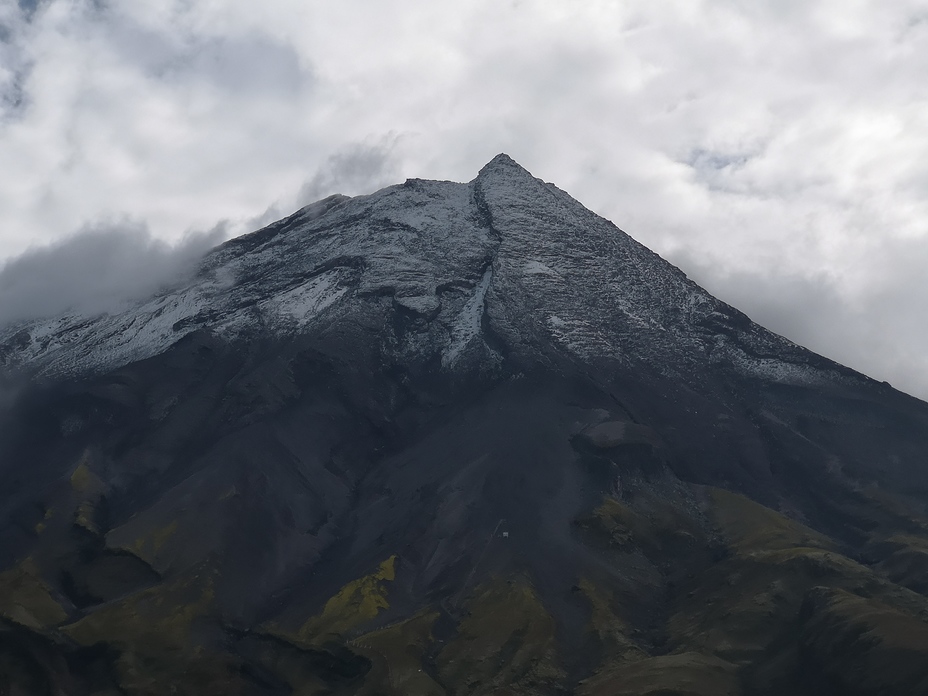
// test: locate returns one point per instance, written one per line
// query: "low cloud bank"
(96, 270)
(876, 331)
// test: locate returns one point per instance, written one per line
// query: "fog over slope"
(97, 270)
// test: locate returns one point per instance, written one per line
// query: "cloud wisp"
(355, 169)
(99, 269)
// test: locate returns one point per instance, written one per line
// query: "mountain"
(452, 439)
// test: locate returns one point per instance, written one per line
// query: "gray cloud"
(354, 170)
(98, 269)
(28, 7)
(879, 333)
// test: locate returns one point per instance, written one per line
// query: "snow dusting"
(439, 262)
(468, 322)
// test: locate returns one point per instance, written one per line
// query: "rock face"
(452, 439)
(506, 257)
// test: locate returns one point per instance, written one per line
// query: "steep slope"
(549, 274)
(452, 439)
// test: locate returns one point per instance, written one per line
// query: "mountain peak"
(503, 163)
(504, 265)
(439, 436)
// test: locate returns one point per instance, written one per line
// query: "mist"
(876, 332)
(97, 270)
(356, 169)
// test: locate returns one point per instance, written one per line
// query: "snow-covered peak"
(505, 267)
(503, 165)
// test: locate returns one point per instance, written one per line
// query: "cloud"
(98, 269)
(354, 170)
(879, 333)
(28, 7)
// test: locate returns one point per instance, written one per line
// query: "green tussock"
(686, 674)
(749, 602)
(505, 644)
(152, 631)
(616, 521)
(84, 481)
(903, 558)
(26, 599)
(865, 646)
(654, 526)
(611, 630)
(749, 527)
(158, 618)
(398, 653)
(148, 547)
(355, 604)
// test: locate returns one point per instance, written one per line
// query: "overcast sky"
(776, 150)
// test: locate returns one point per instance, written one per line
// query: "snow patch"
(468, 322)
(579, 337)
(304, 302)
(426, 305)
(538, 268)
(777, 370)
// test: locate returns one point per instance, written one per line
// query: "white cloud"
(780, 140)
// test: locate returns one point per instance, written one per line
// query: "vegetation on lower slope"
(682, 674)
(26, 598)
(355, 604)
(400, 657)
(695, 592)
(153, 633)
(504, 644)
(862, 645)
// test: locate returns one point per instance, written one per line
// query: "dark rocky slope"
(453, 439)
